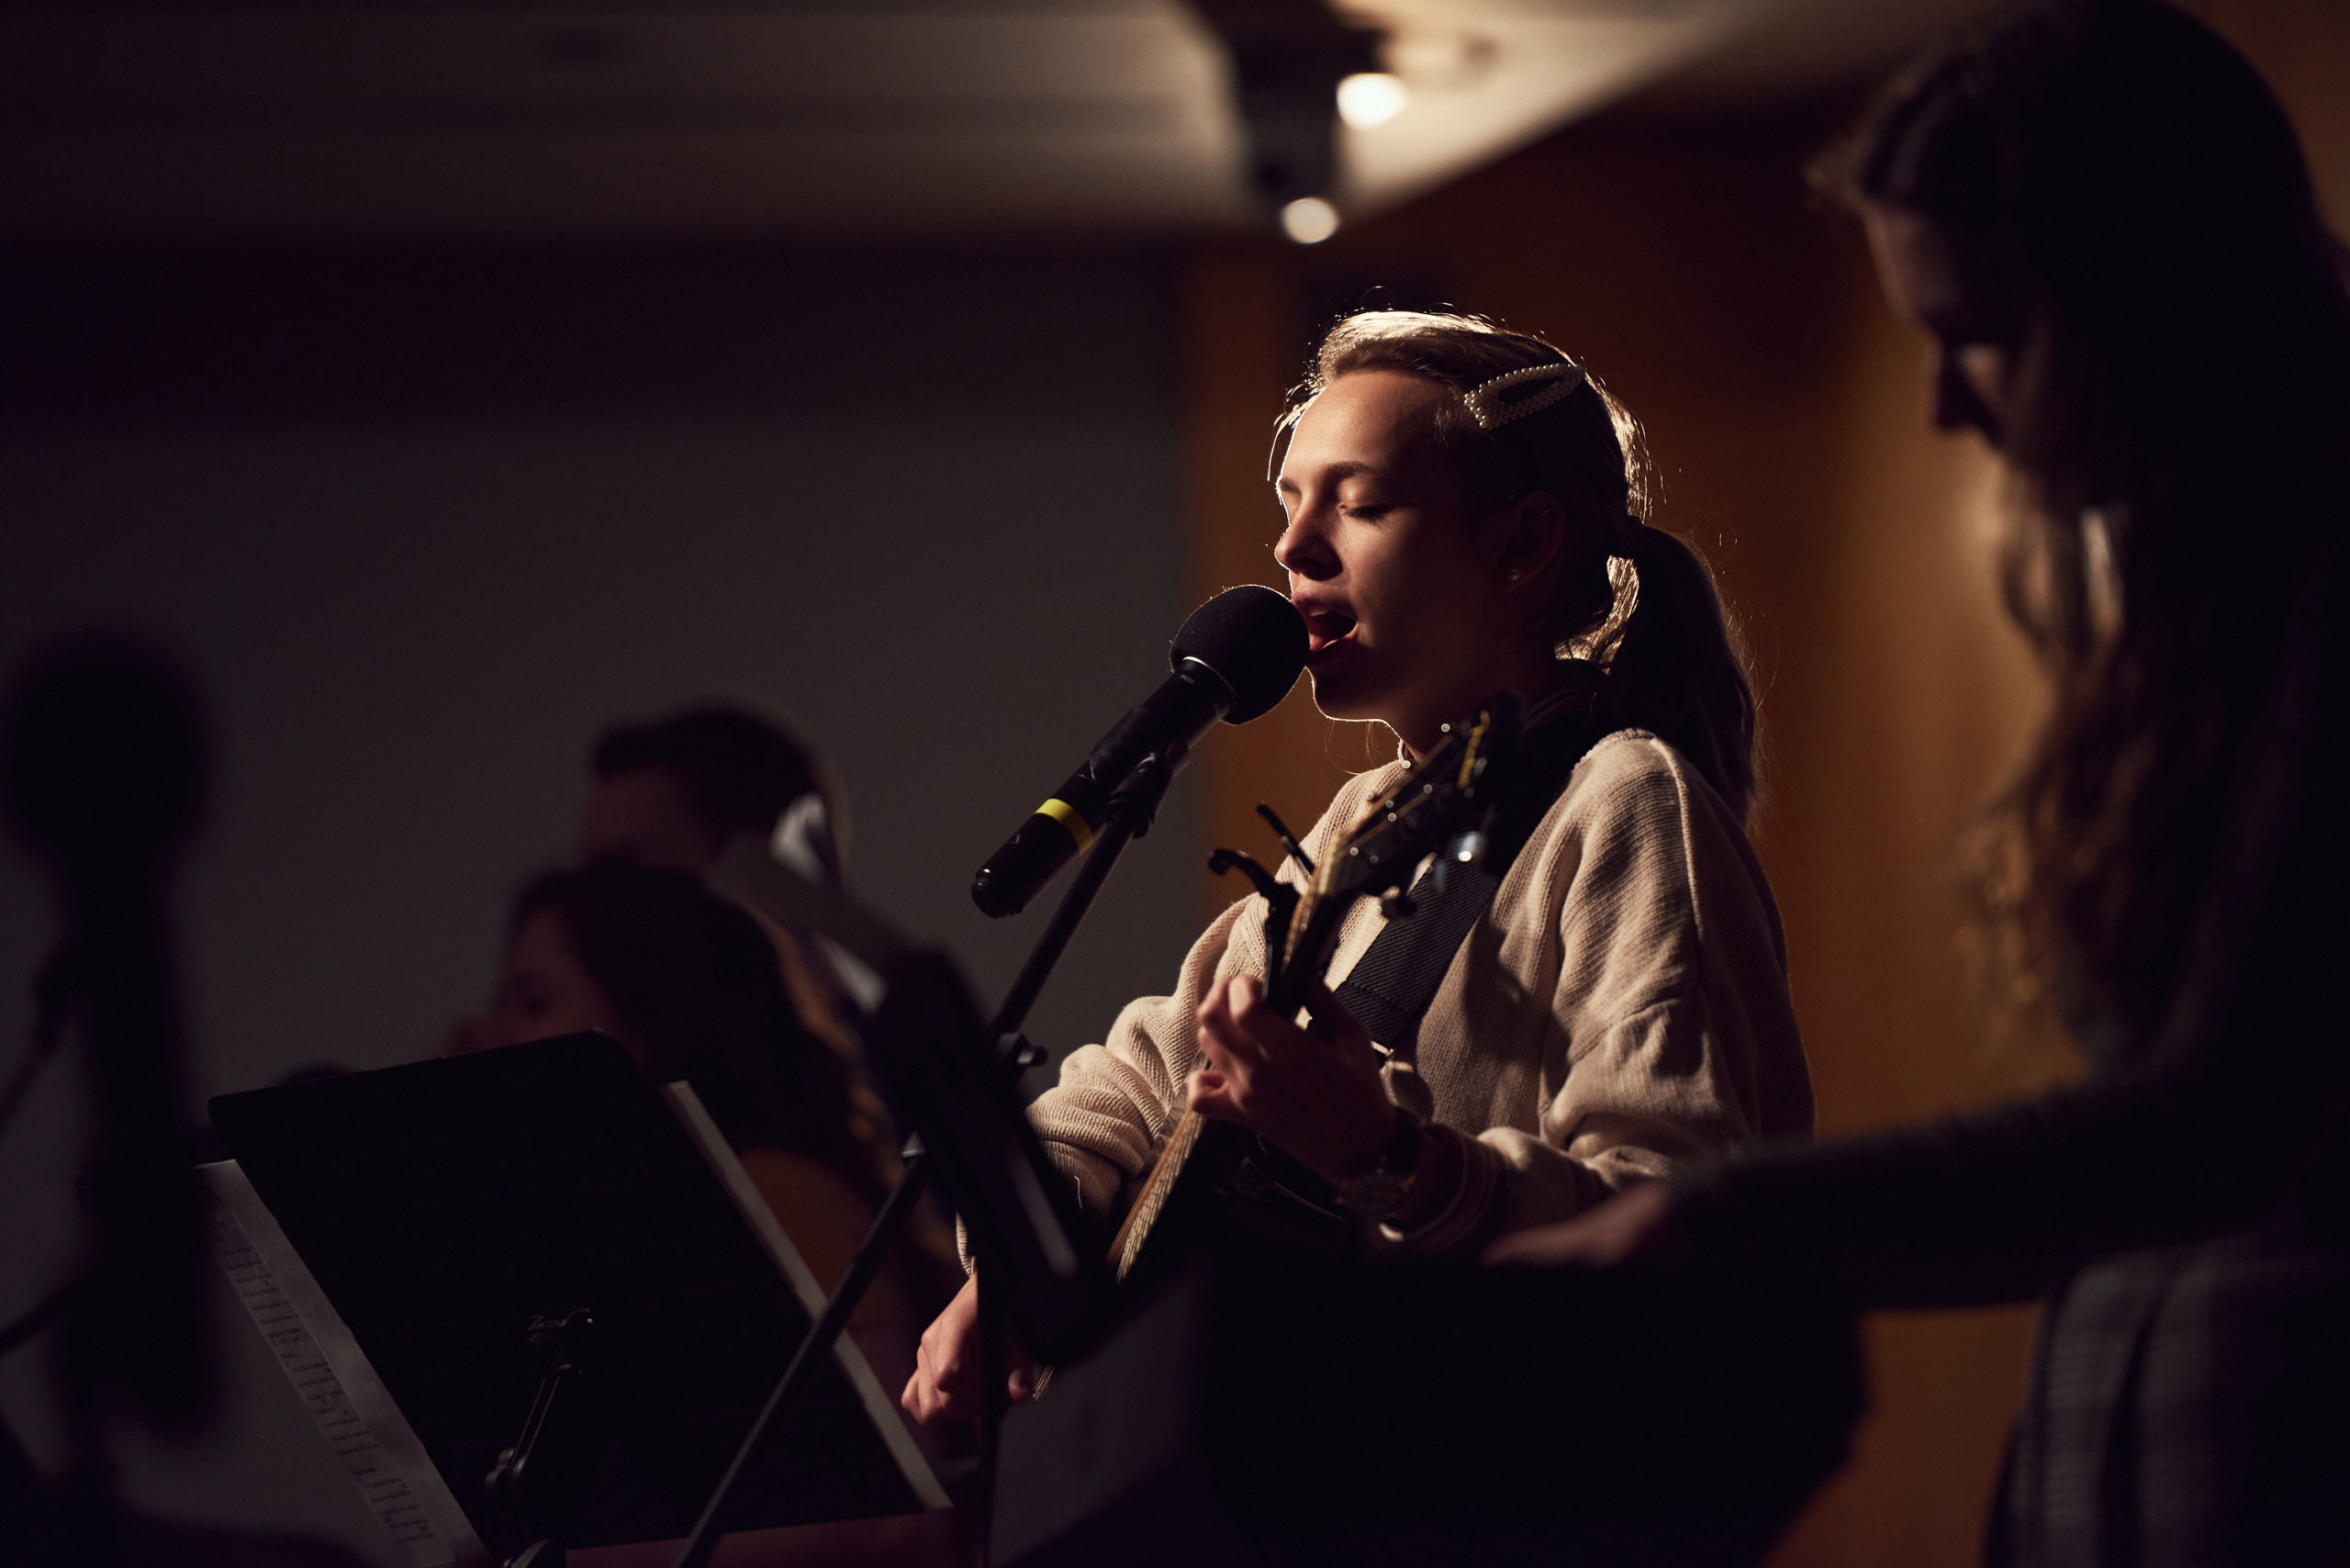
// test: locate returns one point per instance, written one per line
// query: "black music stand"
(1045, 1259)
(445, 1206)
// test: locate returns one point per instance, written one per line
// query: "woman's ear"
(1532, 530)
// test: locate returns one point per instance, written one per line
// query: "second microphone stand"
(1132, 807)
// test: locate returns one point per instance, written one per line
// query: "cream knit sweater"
(1621, 1007)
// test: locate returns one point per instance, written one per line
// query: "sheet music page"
(354, 1411)
(880, 1407)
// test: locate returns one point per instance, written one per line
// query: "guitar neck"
(1293, 987)
(1143, 1214)
(1300, 972)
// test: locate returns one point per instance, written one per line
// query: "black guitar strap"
(1266, 1190)
(1391, 986)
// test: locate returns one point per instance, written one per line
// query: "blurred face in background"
(545, 991)
(647, 816)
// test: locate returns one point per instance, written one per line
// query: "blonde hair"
(1635, 600)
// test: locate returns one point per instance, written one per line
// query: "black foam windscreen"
(1255, 641)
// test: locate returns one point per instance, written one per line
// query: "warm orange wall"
(1782, 407)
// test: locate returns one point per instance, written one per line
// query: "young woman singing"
(1462, 517)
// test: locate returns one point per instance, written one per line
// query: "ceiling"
(848, 117)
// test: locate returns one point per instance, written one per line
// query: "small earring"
(1514, 575)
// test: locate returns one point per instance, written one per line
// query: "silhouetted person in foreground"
(106, 777)
(2102, 219)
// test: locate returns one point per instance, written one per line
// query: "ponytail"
(1672, 658)
(1674, 670)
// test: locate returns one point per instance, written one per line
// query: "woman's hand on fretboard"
(1314, 1093)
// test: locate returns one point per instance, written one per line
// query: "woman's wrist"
(1366, 1143)
(1438, 1178)
(1412, 1179)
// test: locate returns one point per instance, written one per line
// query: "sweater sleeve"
(2222, 1124)
(1116, 1101)
(1990, 1206)
(1672, 1038)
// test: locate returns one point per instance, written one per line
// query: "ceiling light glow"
(1309, 220)
(1372, 98)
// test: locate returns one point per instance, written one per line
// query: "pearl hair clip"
(1485, 403)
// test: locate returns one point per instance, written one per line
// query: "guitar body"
(1218, 1184)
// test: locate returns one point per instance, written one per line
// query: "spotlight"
(1370, 98)
(1288, 59)
(1309, 220)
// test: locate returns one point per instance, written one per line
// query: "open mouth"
(1326, 628)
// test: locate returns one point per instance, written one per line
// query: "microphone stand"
(1134, 806)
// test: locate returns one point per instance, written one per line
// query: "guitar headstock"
(1445, 796)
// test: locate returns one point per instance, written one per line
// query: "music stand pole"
(1132, 807)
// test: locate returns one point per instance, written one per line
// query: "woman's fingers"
(1230, 1057)
(1238, 1021)
(1213, 1086)
(1634, 1226)
(1566, 1242)
(931, 1394)
(1302, 1089)
(1212, 1094)
(929, 1398)
(1334, 1024)
(945, 1384)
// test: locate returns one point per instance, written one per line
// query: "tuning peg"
(1018, 1051)
(1290, 846)
(1467, 850)
(1225, 860)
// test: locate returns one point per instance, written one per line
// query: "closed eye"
(1972, 328)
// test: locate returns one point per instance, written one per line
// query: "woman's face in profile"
(1383, 559)
(1930, 277)
(649, 816)
(545, 991)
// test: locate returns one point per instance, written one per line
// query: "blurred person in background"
(688, 983)
(673, 792)
(697, 988)
(2102, 219)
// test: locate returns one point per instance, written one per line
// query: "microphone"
(1234, 659)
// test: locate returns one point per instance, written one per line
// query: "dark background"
(425, 520)
(428, 487)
